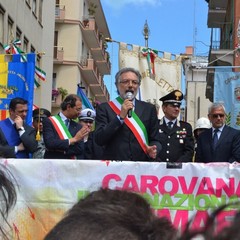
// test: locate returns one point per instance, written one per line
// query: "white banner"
(167, 72)
(48, 188)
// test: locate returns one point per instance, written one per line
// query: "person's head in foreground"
(216, 227)
(112, 215)
(8, 199)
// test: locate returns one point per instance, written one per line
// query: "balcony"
(89, 71)
(58, 54)
(104, 65)
(91, 33)
(100, 92)
(56, 100)
(59, 13)
(216, 13)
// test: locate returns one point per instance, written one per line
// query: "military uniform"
(175, 136)
(177, 142)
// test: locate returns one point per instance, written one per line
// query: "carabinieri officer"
(175, 136)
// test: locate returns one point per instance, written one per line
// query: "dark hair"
(124, 70)
(15, 101)
(208, 232)
(112, 214)
(8, 197)
(70, 100)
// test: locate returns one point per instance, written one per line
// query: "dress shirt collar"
(167, 121)
(62, 116)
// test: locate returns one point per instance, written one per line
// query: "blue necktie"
(215, 138)
(67, 122)
(169, 124)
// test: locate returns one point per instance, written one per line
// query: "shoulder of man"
(185, 124)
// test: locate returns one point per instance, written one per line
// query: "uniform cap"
(40, 113)
(174, 97)
(87, 113)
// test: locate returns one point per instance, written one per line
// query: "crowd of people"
(124, 129)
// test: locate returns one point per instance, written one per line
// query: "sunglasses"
(87, 121)
(217, 115)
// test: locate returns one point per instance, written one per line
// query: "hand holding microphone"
(129, 96)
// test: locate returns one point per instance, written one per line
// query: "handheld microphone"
(130, 96)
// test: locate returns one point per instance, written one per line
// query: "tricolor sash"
(60, 127)
(134, 123)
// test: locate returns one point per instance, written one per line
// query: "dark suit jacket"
(177, 143)
(118, 139)
(28, 138)
(227, 148)
(92, 149)
(57, 148)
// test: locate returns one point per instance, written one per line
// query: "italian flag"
(40, 73)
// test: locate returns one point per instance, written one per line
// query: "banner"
(160, 75)
(48, 188)
(227, 91)
(16, 80)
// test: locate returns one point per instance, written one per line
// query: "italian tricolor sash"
(60, 127)
(134, 123)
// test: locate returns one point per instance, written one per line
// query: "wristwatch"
(20, 129)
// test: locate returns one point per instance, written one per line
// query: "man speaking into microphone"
(126, 126)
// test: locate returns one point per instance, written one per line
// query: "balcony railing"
(60, 12)
(58, 53)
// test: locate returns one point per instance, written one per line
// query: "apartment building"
(224, 21)
(195, 71)
(80, 56)
(32, 22)
(70, 37)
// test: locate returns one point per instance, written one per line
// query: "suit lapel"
(138, 109)
(223, 135)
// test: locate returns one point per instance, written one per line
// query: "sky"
(173, 24)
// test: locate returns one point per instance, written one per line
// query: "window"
(10, 35)
(2, 12)
(40, 11)
(25, 45)
(18, 34)
(34, 6)
(33, 49)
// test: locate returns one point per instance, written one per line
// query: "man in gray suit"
(220, 143)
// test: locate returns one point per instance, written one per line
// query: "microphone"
(130, 96)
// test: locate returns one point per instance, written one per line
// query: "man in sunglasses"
(220, 143)
(175, 136)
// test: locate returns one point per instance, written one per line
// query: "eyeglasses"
(87, 121)
(128, 82)
(217, 115)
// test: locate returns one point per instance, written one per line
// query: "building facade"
(224, 21)
(31, 22)
(69, 40)
(195, 71)
(80, 56)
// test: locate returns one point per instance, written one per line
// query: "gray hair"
(124, 70)
(216, 105)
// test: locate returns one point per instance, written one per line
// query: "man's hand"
(126, 106)
(152, 151)
(20, 147)
(19, 122)
(84, 131)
